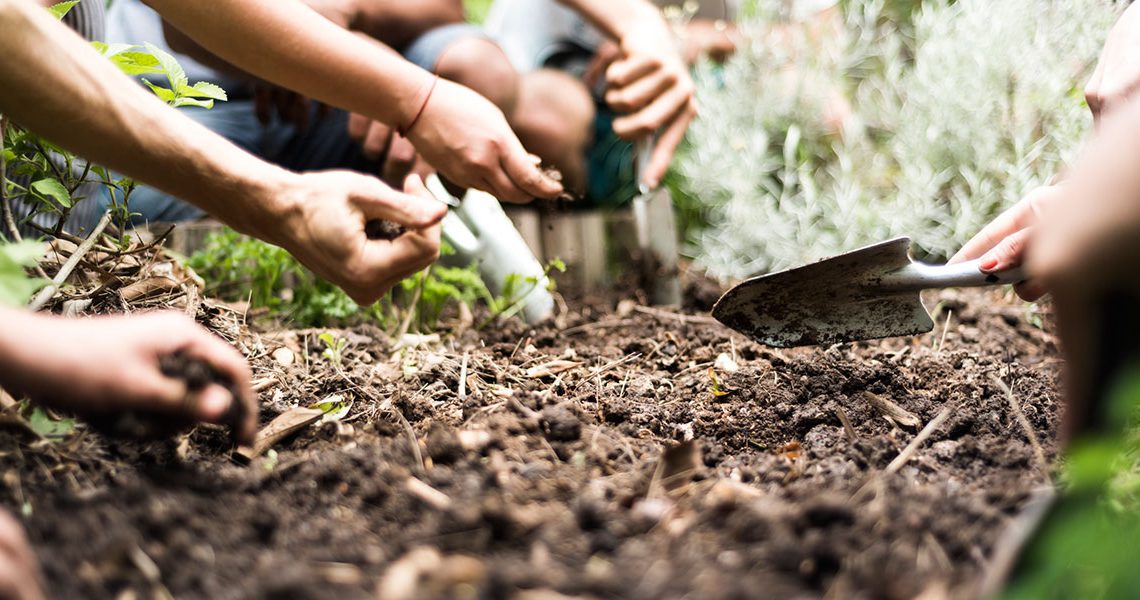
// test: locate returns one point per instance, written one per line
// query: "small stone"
(284, 356)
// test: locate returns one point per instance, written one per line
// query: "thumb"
(378, 201)
(526, 175)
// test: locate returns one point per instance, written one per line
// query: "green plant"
(954, 114)
(46, 182)
(334, 346)
(242, 268)
(518, 287)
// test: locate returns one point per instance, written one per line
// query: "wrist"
(267, 206)
(413, 103)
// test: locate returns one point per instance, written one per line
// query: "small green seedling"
(334, 348)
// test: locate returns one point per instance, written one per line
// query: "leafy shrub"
(955, 116)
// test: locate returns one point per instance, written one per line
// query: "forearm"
(616, 17)
(55, 84)
(290, 44)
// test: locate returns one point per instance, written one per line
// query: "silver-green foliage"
(955, 116)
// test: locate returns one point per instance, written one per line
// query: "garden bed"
(622, 452)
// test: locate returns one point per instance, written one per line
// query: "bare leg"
(554, 118)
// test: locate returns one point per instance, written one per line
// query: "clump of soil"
(530, 462)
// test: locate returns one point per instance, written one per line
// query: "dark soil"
(618, 455)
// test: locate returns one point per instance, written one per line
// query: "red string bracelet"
(403, 131)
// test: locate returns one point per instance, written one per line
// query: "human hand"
(1117, 73)
(19, 574)
(1003, 244)
(1087, 251)
(650, 82)
(325, 229)
(380, 142)
(104, 365)
(467, 139)
(290, 107)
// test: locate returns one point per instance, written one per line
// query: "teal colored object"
(610, 178)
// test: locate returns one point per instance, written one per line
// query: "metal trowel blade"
(832, 301)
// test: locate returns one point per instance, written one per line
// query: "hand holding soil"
(106, 365)
(328, 230)
(467, 139)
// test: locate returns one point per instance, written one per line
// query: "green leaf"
(204, 89)
(16, 287)
(184, 101)
(174, 73)
(43, 424)
(335, 407)
(53, 189)
(163, 94)
(60, 10)
(136, 63)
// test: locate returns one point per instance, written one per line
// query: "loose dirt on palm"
(541, 472)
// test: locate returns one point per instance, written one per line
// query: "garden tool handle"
(642, 153)
(921, 276)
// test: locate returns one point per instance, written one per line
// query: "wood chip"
(675, 469)
(427, 494)
(891, 410)
(149, 288)
(553, 367)
(286, 424)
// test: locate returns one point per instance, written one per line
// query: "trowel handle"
(642, 153)
(921, 276)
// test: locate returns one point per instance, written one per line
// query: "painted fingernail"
(988, 265)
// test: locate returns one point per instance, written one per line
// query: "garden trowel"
(656, 234)
(869, 293)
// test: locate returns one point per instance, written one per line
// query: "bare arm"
(292, 46)
(285, 42)
(56, 85)
(648, 81)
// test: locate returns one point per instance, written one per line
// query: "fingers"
(213, 402)
(1031, 290)
(378, 201)
(624, 72)
(358, 126)
(1017, 217)
(19, 576)
(519, 172)
(400, 160)
(640, 93)
(391, 261)
(667, 144)
(376, 140)
(1008, 253)
(656, 115)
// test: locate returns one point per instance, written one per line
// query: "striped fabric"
(87, 19)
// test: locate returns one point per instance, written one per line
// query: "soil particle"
(541, 486)
(560, 423)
